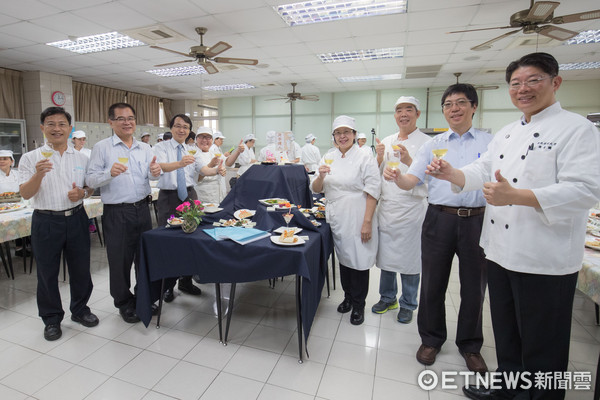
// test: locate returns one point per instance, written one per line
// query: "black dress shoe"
(89, 320)
(482, 393)
(358, 316)
(186, 286)
(128, 314)
(52, 332)
(345, 306)
(169, 296)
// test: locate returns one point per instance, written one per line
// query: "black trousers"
(51, 236)
(168, 201)
(355, 284)
(444, 235)
(531, 317)
(123, 226)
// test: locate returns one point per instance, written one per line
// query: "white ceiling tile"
(226, 6)
(176, 10)
(70, 25)
(67, 5)
(115, 16)
(5, 19)
(30, 31)
(332, 46)
(441, 18)
(27, 9)
(13, 42)
(253, 20)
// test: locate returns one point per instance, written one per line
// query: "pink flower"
(198, 202)
(179, 208)
(185, 204)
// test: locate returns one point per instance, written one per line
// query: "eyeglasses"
(533, 82)
(123, 119)
(53, 125)
(204, 138)
(462, 103)
(186, 127)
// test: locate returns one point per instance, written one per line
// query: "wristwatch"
(85, 193)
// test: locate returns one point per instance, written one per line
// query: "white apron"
(400, 214)
(346, 188)
(211, 189)
(9, 183)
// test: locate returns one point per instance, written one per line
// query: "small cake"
(288, 236)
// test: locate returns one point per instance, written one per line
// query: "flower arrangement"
(191, 213)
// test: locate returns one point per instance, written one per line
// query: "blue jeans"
(388, 289)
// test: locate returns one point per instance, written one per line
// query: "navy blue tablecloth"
(267, 181)
(169, 252)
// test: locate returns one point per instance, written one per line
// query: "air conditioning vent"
(155, 34)
(422, 71)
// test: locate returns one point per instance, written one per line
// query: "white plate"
(18, 207)
(212, 210)
(266, 203)
(237, 213)
(282, 228)
(275, 239)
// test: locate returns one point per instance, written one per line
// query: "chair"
(8, 267)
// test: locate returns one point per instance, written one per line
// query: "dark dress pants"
(168, 200)
(443, 235)
(51, 236)
(123, 228)
(355, 284)
(531, 317)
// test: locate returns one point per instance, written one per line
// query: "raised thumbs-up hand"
(154, 167)
(75, 194)
(379, 148)
(498, 193)
(241, 146)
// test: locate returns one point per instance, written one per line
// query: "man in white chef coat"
(451, 227)
(540, 177)
(400, 214)
(310, 153)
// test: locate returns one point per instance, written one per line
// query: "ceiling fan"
(457, 75)
(203, 55)
(293, 96)
(530, 21)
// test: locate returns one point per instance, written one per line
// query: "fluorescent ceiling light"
(585, 37)
(236, 86)
(96, 43)
(178, 71)
(310, 12)
(362, 55)
(581, 65)
(367, 78)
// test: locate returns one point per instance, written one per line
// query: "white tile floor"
(184, 360)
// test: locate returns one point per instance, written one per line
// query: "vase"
(189, 225)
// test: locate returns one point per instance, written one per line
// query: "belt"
(145, 200)
(464, 212)
(63, 213)
(175, 190)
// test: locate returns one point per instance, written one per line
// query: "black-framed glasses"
(123, 119)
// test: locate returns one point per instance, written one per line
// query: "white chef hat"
(361, 136)
(408, 100)
(218, 135)
(249, 137)
(309, 138)
(271, 137)
(344, 121)
(78, 134)
(204, 130)
(145, 134)
(8, 153)
(160, 136)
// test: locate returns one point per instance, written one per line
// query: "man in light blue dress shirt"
(121, 167)
(452, 226)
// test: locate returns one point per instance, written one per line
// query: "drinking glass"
(328, 158)
(47, 150)
(288, 217)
